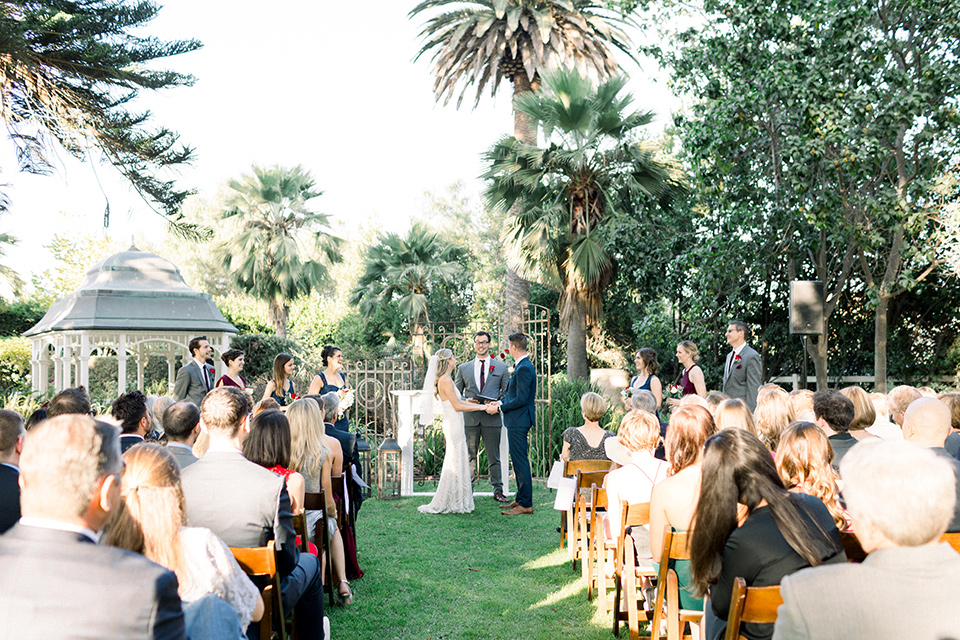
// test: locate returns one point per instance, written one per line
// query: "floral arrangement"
(502, 357)
(674, 390)
(346, 397)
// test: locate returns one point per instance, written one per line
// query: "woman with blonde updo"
(804, 463)
(772, 415)
(151, 521)
(692, 381)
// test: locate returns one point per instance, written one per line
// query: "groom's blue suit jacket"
(519, 405)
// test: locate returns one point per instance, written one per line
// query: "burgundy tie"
(483, 374)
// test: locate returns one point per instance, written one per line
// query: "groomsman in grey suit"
(488, 377)
(55, 580)
(900, 496)
(742, 372)
(195, 378)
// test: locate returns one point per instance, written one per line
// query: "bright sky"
(329, 85)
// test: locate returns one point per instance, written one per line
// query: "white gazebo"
(131, 305)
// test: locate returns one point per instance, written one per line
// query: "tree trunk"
(880, 345)
(277, 314)
(818, 353)
(517, 289)
(577, 366)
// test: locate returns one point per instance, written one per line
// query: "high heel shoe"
(346, 599)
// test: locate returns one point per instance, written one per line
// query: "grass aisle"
(474, 576)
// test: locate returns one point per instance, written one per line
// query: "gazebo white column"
(140, 367)
(83, 365)
(122, 364)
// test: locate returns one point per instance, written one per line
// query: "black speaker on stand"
(806, 315)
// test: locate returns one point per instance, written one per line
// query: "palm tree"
(405, 269)
(481, 42)
(568, 189)
(277, 250)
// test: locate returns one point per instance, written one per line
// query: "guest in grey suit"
(743, 371)
(490, 377)
(195, 378)
(247, 506)
(181, 423)
(901, 498)
(11, 444)
(55, 581)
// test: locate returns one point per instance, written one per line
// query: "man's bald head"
(927, 422)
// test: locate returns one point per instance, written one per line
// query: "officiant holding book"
(484, 379)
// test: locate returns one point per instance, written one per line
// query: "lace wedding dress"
(454, 492)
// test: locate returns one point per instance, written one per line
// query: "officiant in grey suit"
(488, 377)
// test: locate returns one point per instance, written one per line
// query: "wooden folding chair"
(577, 531)
(570, 469)
(596, 551)
(628, 572)
(262, 562)
(756, 605)
(300, 526)
(667, 603)
(321, 538)
(953, 539)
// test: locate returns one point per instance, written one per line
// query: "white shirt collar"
(517, 361)
(171, 443)
(47, 523)
(202, 364)
(737, 351)
(12, 466)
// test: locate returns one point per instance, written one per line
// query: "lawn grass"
(471, 576)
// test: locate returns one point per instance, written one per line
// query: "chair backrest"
(572, 466)
(321, 538)
(633, 515)
(953, 539)
(300, 526)
(585, 479)
(675, 547)
(262, 562)
(754, 604)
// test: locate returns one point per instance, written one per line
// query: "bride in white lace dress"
(454, 491)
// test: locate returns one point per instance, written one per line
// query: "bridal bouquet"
(675, 390)
(346, 397)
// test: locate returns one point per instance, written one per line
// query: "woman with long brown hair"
(280, 387)
(646, 378)
(748, 525)
(151, 521)
(804, 459)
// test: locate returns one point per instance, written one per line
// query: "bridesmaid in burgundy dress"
(692, 381)
(233, 358)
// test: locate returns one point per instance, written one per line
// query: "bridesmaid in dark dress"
(692, 381)
(280, 388)
(646, 378)
(233, 358)
(331, 379)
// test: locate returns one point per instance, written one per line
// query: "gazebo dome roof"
(134, 291)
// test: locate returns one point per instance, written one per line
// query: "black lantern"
(388, 470)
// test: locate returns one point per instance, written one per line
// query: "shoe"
(345, 599)
(511, 505)
(517, 511)
(499, 497)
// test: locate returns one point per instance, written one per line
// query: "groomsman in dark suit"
(488, 377)
(519, 416)
(195, 378)
(55, 580)
(130, 409)
(742, 372)
(11, 444)
(247, 506)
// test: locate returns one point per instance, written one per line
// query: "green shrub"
(15, 364)
(19, 315)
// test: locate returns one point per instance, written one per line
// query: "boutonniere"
(491, 368)
(736, 358)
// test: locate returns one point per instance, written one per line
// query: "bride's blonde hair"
(443, 368)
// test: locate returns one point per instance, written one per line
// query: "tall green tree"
(70, 70)
(280, 246)
(570, 189)
(407, 270)
(481, 42)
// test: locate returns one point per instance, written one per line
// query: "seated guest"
(927, 392)
(644, 401)
(803, 462)
(265, 405)
(130, 410)
(268, 444)
(330, 405)
(72, 400)
(802, 402)
(772, 415)
(586, 441)
(714, 398)
(927, 423)
(181, 423)
(898, 399)
(55, 580)
(156, 406)
(11, 444)
(952, 444)
(748, 526)
(36, 418)
(639, 433)
(901, 498)
(834, 412)
(151, 522)
(246, 506)
(864, 414)
(735, 414)
(882, 427)
(674, 499)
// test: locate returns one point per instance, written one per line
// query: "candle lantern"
(388, 470)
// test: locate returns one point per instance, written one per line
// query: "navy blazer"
(519, 405)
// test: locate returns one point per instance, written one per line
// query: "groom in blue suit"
(519, 416)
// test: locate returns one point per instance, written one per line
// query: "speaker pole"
(803, 371)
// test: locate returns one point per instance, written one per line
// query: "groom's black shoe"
(499, 497)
